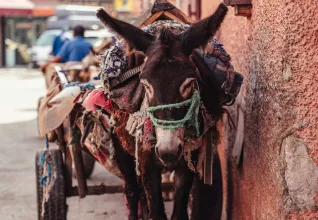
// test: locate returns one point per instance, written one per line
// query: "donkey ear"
(199, 33)
(139, 39)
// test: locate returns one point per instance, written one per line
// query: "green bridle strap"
(192, 114)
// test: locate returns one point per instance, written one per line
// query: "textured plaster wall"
(277, 52)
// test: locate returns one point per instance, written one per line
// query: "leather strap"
(228, 83)
(125, 76)
(208, 162)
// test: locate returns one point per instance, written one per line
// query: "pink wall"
(277, 51)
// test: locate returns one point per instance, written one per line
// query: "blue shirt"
(75, 50)
(58, 43)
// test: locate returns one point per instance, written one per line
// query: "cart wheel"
(89, 163)
(55, 208)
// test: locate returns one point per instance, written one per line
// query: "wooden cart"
(68, 155)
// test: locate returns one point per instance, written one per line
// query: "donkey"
(169, 76)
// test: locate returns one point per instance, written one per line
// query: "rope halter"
(192, 115)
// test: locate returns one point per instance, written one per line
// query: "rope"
(43, 154)
(45, 163)
(137, 138)
(47, 180)
(187, 157)
(191, 115)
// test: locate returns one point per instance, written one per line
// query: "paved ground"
(19, 91)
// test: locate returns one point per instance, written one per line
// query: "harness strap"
(228, 83)
(208, 162)
(125, 76)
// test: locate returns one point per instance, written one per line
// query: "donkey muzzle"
(169, 146)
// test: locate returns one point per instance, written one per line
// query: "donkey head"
(168, 75)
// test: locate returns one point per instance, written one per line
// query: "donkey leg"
(143, 205)
(207, 200)
(126, 165)
(183, 184)
(151, 180)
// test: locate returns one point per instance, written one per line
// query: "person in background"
(72, 51)
(59, 41)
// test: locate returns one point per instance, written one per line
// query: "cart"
(71, 73)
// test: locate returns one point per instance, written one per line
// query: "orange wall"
(277, 52)
(208, 7)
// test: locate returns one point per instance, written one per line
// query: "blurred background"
(28, 27)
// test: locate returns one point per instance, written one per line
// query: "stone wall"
(277, 52)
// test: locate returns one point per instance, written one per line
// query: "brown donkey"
(173, 92)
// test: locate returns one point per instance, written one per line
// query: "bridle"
(191, 117)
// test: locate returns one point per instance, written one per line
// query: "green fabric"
(192, 116)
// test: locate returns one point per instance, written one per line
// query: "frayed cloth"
(95, 98)
(96, 133)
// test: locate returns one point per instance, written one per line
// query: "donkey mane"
(165, 35)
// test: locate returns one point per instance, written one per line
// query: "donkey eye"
(187, 87)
